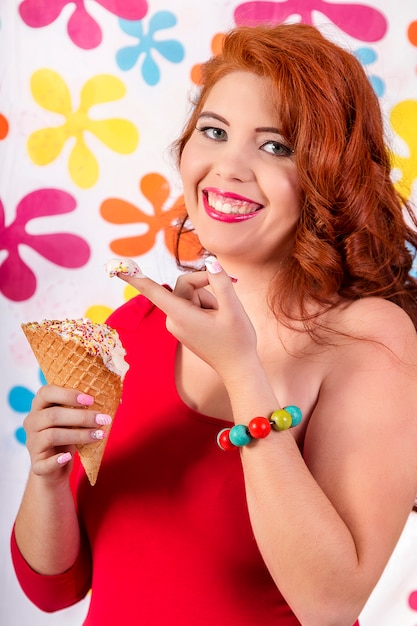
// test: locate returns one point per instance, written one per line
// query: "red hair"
(352, 237)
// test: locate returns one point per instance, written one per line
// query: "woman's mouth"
(228, 207)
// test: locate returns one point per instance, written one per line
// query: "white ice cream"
(128, 267)
(97, 339)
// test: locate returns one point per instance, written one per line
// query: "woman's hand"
(204, 314)
(54, 426)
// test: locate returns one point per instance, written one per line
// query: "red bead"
(223, 440)
(259, 427)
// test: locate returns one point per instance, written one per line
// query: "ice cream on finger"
(128, 267)
(81, 354)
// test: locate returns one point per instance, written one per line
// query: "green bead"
(281, 419)
(295, 413)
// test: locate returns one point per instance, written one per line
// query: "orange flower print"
(4, 127)
(216, 48)
(156, 189)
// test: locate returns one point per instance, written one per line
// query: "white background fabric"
(157, 111)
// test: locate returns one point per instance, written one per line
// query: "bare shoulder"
(379, 321)
(364, 423)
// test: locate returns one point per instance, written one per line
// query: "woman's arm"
(321, 522)
(327, 524)
(46, 529)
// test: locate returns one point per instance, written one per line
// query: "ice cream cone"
(66, 363)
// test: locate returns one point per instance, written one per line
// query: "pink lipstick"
(228, 207)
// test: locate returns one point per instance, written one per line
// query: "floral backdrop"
(92, 95)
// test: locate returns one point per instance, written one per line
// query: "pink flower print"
(82, 28)
(17, 280)
(412, 600)
(357, 20)
(51, 92)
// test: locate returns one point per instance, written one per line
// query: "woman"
(287, 184)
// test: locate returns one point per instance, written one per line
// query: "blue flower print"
(170, 49)
(366, 56)
(413, 271)
(20, 400)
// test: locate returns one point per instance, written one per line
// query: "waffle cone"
(66, 363)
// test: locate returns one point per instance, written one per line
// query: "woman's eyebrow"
(268, 129)
(260, 129)
(213, 116)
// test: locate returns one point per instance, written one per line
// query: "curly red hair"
(353, 237)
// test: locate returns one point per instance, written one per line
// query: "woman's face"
(239, 174)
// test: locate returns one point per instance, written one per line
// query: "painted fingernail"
(232, 278)
(212, 265)
(103, 419)
(64, 458)
(85, 399)
(98, 434)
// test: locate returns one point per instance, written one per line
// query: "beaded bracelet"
(258, 428)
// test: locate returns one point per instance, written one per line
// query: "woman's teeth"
(237, 207)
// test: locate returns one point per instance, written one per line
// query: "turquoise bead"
(295, 413)
(239, 435)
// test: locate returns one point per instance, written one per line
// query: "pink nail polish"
(64, 458)
(85, 399)
(98, 434)
(232, 278)
(103, 419)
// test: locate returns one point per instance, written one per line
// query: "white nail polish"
(212, 265)
(98, 434)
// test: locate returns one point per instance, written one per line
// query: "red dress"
(166, 525)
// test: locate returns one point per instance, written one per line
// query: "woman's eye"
(277, 148)
(218, 134)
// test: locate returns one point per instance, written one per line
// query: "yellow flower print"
(403, 121)
(99, 313)
(51, 93)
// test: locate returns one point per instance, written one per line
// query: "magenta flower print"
(357, 20)
(83, 30)
(17, 279)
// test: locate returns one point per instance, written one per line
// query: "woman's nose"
(234, 163)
